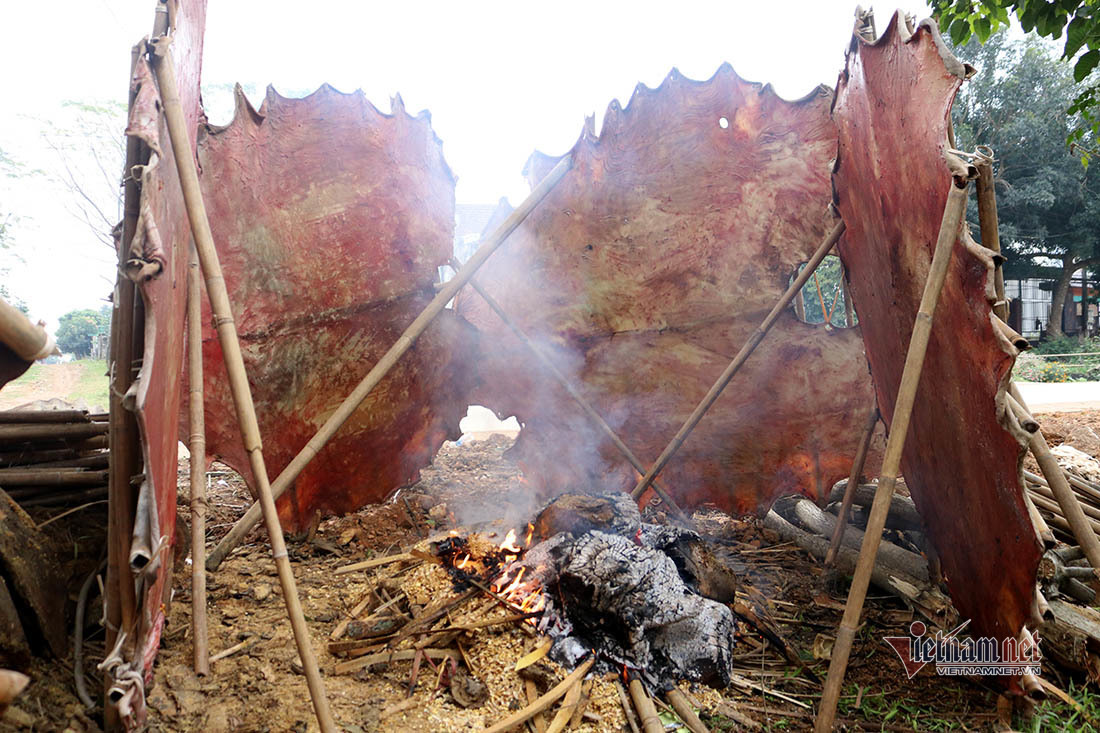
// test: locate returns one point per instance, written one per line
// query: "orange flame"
(509, 543)
(530, 533)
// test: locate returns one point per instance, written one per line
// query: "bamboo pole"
(1056, 480)
(10, 477)
(647, 711)
(683, 708)
(850, 489)
(27, 340)
(1042, 531)
(51, 431)
(991, 236)
(387, 362)
(234, 364)
(8, 417)
(197, 447)
(891, 462)
(1083, 487)
(739, 360)
(543, 702)
(584, 404)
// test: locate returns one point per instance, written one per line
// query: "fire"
(509, 543)
(530, 533)
(465, 561)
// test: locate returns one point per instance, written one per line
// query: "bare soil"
(260, 688)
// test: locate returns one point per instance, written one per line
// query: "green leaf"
(959, 31)
(1077, 33)
(982, 28)
(1085, 64)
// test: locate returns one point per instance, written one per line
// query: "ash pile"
(640, 598)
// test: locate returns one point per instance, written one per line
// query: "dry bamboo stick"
(374, 562)
(568, 707)
(51, 477)
(234, 364)
(1085, 490)
(853, 481)
(391, 357)
(404, 655)
(891, 463)
(1044, 491)
(532, 692)
(197, 446)
(683, 708)
(69, 497)
(8, 417)
(628, 709)
(1056, 480)
(544, 701)
(1048, 504)
(991, 236)
(249, 642)
(1042, 531)
(647, 711)
(29, 341)
(739, 360)
(51, 431)
(98, 460)
(572, 391)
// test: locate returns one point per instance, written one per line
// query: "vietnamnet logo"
(953, 655)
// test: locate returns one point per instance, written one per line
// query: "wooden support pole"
(197, 446)
(991, 235)
(584, 404)
(850, 489)
(682, 706)
(738, 361)
(387, 362)
(1056, 481)
(647, 711)
(27, 340)
(891, 462)
(234, 365)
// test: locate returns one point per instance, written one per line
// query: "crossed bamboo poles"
(268, 492)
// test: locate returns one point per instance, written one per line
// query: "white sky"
(501, 79)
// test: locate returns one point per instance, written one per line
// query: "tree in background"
(80, 329)
(1079, 19)
(1048, 203)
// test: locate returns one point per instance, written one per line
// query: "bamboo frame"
(850, 489)
(738, 361)
(387, 362)
(647, 711)
(27, 340)
(891, 462)
(234, 364)
(584, 404)
(197, 446)
(1059, 487)
(990, 228)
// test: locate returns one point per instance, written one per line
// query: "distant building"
(1029, 306)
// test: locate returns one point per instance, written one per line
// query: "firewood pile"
(53, 457)
(586, 618)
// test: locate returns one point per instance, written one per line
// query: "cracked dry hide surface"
(646, 269)
(331, 219)
(961, 466)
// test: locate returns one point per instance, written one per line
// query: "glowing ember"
(530, 533)
(509, 543)
(471, 562)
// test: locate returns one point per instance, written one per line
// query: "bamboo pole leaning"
(234, 364)
(1056, 480)
(197, 446)
(891, 462)
(388, 360)
(29, 341)
(597, 419)
(738, 361)
(853, 482)
(990, 228)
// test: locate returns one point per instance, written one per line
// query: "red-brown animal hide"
(646, 269)
(892, 181)
(331, 220)
(157, 261)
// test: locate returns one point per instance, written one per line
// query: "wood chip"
(528, 659)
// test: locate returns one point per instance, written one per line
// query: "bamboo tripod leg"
(891, 462)
(739, 360)
(197, 446)
(850, 489)
(991, 235)
(1059, 486)
(234, 364)
(388, 360)
(584, 404)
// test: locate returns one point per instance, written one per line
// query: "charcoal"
(629, 603)
(577, 513)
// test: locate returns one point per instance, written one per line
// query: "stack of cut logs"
(1088, 494)
(53, 457)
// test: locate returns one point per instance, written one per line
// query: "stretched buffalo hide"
(156, 260)
(892, 179)
(331, 220)
(642, 274)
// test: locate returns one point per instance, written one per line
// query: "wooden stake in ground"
(739, 360)
(197, 446)
(850, 489)
(234, 364)
(404, 342)
(891, 462)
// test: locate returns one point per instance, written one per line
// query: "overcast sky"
(500, 79)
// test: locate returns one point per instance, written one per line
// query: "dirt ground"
(474, 484)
